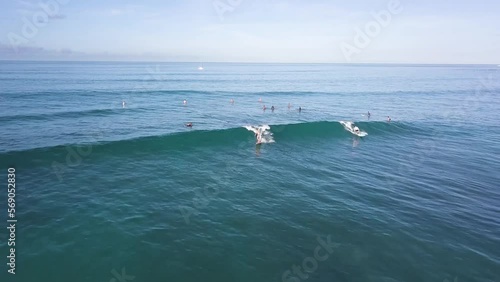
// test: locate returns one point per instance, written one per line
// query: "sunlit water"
(104, 188)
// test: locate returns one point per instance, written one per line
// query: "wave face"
(231, 138)
(335, 129)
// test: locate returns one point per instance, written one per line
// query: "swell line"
(69, 114)
(227, 138)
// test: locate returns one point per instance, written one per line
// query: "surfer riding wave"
(262, 133)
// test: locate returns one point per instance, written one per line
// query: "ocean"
(112, 186)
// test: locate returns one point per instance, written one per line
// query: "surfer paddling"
(189, 124)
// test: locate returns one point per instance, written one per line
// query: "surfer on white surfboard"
(262, 133)
(351, 127)
(258, 136)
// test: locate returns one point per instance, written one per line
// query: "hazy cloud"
(127, 9)
(426, 31)
(57, 17)
(31, 52)
(28, 8)
(28, 52)
(28, 5)
(115, 12)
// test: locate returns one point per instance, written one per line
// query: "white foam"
(264, 130)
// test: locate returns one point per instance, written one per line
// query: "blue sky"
(302, 31)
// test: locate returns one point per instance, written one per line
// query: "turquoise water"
(104, 190)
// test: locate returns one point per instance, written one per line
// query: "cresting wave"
(229, 138)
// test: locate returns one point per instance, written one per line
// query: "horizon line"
(236, 62)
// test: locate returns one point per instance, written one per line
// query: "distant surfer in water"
(123, 104)
(388, 119)
(272, 108)
(264, 107)
(369, 114)
(189, 124)
(300, 109)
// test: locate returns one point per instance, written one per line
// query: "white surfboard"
(349, 126)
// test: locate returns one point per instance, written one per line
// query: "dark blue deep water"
(106, 192)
